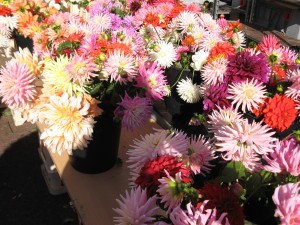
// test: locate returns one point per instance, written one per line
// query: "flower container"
(181, 111)
(23, 42)
(102, 152)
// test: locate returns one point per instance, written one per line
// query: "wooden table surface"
(94, 195)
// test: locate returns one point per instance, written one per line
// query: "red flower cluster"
(155, 169)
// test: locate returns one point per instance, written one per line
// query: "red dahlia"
(224, 200)
(155, 169)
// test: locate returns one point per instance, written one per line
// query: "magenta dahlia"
(245, 65)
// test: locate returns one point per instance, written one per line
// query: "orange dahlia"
(280, 112)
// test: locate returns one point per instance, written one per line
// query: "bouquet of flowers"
(81, 69)
(247, 167)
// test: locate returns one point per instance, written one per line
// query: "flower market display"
(80, 69)
(245, 170)
(242, 167)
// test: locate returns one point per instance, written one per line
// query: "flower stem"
(181, 72)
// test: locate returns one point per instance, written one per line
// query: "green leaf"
(231, 172)
(253, 183)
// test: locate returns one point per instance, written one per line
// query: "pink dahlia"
(120, 67)
(153, 80)
(17, 84)
(241, 139)
(134, 112)
(287, 200)
(269, 42)
(244, 65)
(171, 191)
(285, 158)
(200, 155)
(136, 208)
(199, 216)
(156, 169)
(81, 69)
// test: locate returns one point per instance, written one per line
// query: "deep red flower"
(154, 170)
(280, 112)
(224, 200)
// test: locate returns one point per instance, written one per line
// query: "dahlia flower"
(224, 201)
(17, 84)
(201, 216)
(56, 77)
(200, 155)
(215, 96)
(247, 94)
(134, 112)
(155, 169)
(170, 191)
(163, 53)
(81, 69)
(120, 67)
(293, 90)
(153, 80)
(136, 208)
(160, 142)
(199, 59)
(188, 91)
(214, 72)
(280, 112)
(68, 123)
(241, 137)
(287, 200)
(285, 158)
(244, 65)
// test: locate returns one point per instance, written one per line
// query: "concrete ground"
(24, 195)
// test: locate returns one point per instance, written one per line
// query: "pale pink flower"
(120, 67)
(221, 117)
(287, 200)
(135, 208)
(293, 90)
(81, 69)
(17, 84)
(200, 155)
(170, 196)
(134, 112)
(209, 40)
(153, 80)
(241, 138)
(193, 216)
(248, 95)
(160, 142)
(68, 123)
(285, 158)
(214, 72)
(186, 20)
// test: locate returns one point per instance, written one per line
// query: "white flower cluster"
(7, 25)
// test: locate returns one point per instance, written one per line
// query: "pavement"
(25, 198)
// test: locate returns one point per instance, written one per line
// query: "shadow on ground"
(24, 196)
